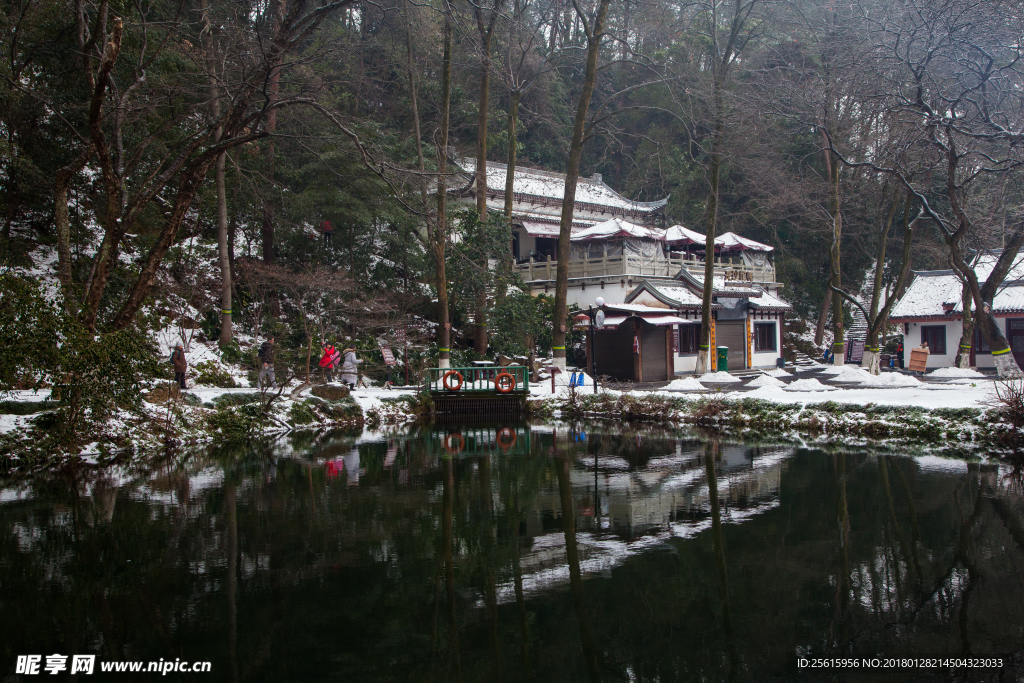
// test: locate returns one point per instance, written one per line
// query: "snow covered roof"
(550, 185)
(538, 229)
(542, 224)
(649, 314)
(616, 227)
(769, 302)
(931, 294)
(985, 261)
(936, 294)
(679, 235)
(639, 308)
(676, 296)
(720, 286)
(730, 241)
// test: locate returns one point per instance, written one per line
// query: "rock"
(161, 392)
(330, 392)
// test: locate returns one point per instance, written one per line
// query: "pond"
(515, 553)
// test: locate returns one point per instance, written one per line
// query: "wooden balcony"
(637, 266)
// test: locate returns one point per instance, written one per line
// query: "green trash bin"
(723, 359)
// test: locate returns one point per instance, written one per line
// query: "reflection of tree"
(449, 567)
(379, 577)
(490, 587)
(842, 572)
(964, 556)
(909, 552)
(572, 556)
(710, 455)
(231, 515)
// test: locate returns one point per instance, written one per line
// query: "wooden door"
(1015, 335)
(733, 333)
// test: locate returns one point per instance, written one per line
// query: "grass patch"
(25, 407)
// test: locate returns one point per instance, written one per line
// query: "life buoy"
(504, 382)
(506, 438)
(448, 440)
(452, 373)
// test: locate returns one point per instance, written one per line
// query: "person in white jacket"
(350, 369)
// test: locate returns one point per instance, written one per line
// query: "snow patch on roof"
(552, 186)
(616, 227)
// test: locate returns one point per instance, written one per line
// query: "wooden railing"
(608, 266)
(477, 379)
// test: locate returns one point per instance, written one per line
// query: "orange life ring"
(504, 385)
(452, 373)
(448, 443)
(506, 438)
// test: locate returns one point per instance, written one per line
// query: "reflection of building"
(622, 510)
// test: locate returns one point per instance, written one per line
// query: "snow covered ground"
(928, 396)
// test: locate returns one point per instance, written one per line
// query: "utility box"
(723, 359)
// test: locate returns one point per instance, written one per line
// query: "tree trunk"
(223, 251)
(114, 228)
(819, 331)
(1006, 365)
(415, 104)
(572, 174)
(481, 123)
(440, 229)
(191, 179)
(711, 226)
(513, 118)
(872, 351)
(273, 87)
(963, 351)
(480, 310)
(60, 218)
(967, 331)
(835, 280)
(221, 190)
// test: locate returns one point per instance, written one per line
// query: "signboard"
(675, 339)
(389, 358)
(581, 321)
(400, 336)
(856, 351)
(599, 318)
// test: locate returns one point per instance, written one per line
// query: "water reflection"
(548, 553)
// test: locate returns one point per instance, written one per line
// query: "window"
(935, 335)
(980, 345)
(764, 337)
(689, 336)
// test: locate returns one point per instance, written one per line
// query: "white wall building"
(932, 310)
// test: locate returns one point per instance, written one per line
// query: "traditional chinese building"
(931, 310)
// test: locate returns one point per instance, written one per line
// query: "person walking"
(180, 364)
(350, 369)
(328, 230)
(328, 360)
(266, 356)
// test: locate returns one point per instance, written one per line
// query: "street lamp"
(593, 350)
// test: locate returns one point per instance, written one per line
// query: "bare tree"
(594, 30)
(951, 73)
(726, 29)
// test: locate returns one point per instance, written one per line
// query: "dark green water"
(612, 556)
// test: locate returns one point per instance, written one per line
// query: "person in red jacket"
(328, 230)
(179, 363)
(328, 360)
